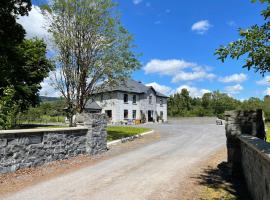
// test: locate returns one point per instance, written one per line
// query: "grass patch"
(118, 132)
(268, 132)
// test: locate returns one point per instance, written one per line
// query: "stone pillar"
(96, 138)
(237, 123)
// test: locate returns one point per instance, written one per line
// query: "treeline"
(212, 104)
(48, 111)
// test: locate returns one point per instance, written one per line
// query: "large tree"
(23, 63)
(93, 48)
(253, 43)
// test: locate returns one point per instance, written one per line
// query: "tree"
(23, 63)
(29, 70)
(254, 43)
(7, 108)
(11, 33)
(93, 49)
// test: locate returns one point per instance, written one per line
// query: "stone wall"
(248, 153)
(33, 147)
(241, 122)
(255, 159)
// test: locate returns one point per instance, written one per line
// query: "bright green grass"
(268, 132)
(118, 132)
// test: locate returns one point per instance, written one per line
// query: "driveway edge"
(115, 142)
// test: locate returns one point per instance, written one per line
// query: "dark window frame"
(134, 112)
(125, 98)
(125, 114)
(134, 99)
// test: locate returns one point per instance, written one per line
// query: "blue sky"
(177, 40)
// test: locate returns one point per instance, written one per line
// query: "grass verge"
(118, 132)
(268, 132)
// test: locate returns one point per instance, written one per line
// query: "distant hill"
(44, 99)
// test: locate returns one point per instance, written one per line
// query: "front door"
(150, 115)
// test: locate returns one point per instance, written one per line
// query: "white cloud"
(234, 89)
(160, 88)
(136, 2)
(191, 76)
(167, 67)
(180, 70)
(193, 91)
(34, 23)
(267, 91)
(201, 27)
(234, 78)
(264, 81)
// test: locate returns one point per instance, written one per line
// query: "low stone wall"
(255, 159)
(33, 147)
(248, 153)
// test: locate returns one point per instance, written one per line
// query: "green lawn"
(268, 132)
(118, 132)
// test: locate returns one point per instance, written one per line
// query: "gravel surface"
(153, 171)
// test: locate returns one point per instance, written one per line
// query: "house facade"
(131, 100)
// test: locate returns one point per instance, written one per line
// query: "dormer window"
(125, 98)
(134, 99)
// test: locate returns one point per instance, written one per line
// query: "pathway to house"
(154, 171)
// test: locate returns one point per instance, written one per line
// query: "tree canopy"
(212, 104)
(93, 48)
(253, 43)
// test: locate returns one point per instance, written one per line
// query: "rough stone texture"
(27, 148)
(238, 123)
(255, 159)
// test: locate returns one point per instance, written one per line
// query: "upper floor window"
(150, 99)
(161, 101)
(125, 98)
(134, 99)
(101, 97)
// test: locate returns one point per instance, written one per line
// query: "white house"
(131, 100)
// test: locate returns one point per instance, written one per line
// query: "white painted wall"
(115, 101)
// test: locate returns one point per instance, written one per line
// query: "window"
(109, 113)
(125, 114)
(150, 99)
(125, 98)
(161, 115)
(161, 101)
(134, 99)
(101, 98)
(134, 114)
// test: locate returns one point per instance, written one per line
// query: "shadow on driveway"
(220, 181)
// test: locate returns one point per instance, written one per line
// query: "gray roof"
(92, 105)
(132, 86)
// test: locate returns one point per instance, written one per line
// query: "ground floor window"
(161, 115)
(134, 114)
(109, 113)
(125, 114)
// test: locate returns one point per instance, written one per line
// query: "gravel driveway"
(154, 171)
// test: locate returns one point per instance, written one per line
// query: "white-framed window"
(125, 98)
(134, 112)
(125, 114)
(134, 99)
(161, 101)
(101, 98)
(150, 99)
